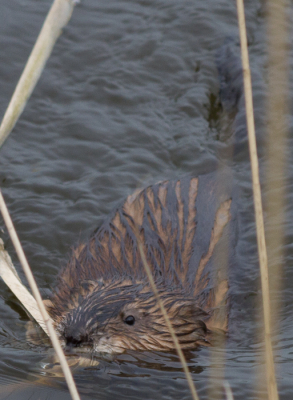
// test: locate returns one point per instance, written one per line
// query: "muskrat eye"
(130, 320)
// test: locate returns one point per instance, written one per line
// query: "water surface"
(129, 97)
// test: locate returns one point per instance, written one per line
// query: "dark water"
(129, 97)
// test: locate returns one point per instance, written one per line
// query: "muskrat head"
(117, 317)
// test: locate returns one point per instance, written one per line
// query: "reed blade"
(57, 18)
(262, 252)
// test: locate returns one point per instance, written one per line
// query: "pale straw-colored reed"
(37, 296)
(167, 320)
(277, 130)
(258, 209)
(57, 18)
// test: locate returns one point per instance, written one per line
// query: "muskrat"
(103, 301)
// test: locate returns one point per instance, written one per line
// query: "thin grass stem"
(228, 391)
(262, 253)
(37, 296)
(277, 130)
(167, 320)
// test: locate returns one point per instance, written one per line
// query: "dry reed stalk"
(277, 127)
(12, 280)
(262, 253)
(167, 320)
(277, 130)
(217, 351)
(36, 293)
(228, 391)
(57, 18)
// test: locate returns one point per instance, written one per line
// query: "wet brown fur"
(104, 281)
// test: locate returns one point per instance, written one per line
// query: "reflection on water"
(129, 97)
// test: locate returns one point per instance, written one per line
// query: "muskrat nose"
(75, 338)
(71, 341)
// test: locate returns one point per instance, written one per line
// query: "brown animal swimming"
(103, 301)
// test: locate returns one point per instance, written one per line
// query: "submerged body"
(103, 301)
